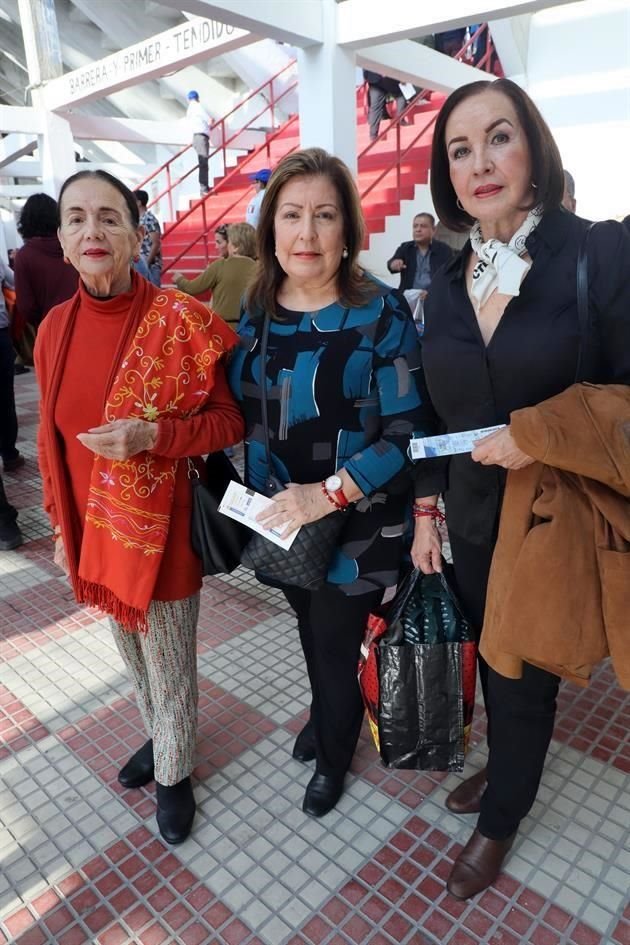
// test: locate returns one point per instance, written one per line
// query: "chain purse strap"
(584, 319)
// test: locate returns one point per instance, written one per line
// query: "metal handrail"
(399, 157)
(395, 123)
(208, 227)
(222, 147)
(271, 105)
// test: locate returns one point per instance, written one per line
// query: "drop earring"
(344, 253)
(535, 186)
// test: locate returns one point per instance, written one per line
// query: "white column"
(327, 77)
(56, 153)
(43, 58)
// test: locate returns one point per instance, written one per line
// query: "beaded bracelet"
(332, 500)
(428, 511)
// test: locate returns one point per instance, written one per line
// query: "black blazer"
(531, 356)
(440, 254)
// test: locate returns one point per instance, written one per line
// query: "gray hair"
(570, 182)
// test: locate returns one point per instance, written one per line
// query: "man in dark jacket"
(419, 259)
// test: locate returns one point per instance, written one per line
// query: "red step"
(228, 203)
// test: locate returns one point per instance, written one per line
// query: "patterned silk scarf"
(500, 264)
(167, 371)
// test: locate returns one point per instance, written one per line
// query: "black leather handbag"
(305, 564)
(216, 539)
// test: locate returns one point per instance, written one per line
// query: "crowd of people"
(319, 366)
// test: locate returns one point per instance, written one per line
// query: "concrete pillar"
(327, 76)
(43, 59)
(56, 153)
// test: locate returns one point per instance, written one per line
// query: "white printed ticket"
(244, 505)
(449, 443)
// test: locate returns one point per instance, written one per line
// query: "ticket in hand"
(244, 504)
(449, 443)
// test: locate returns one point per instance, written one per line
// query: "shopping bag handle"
(406, 587)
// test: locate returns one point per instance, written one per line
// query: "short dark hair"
(118, 185)
(423, 213)
(222, 230)
(142, 196)
(354, 287)
(547, 171)
(38, 217)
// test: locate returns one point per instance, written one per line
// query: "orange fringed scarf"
(171, 344)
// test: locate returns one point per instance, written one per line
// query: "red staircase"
(388, 171)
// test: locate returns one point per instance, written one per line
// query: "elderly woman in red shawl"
(132, 381)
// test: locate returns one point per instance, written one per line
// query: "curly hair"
(38, 217)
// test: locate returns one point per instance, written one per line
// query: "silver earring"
(344, 253)
(535, 186)
(459, 204)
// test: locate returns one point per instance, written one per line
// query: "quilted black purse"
(305, 564)
(216, 539)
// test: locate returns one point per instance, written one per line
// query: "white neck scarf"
(500, 264)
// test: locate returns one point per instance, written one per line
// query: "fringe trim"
(132, 619)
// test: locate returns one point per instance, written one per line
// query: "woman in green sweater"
(228, 278)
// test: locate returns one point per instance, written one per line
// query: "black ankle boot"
(139, 769)
(175, 810)
(322, 793)
(304, 748)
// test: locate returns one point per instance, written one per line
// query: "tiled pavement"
(81, 861)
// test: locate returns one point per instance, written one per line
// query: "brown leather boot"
(478, 865)
(466, 797)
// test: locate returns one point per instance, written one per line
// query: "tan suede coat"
(559, 589)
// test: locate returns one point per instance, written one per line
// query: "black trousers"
(201, 144)
(521, 712)
(8, 416)
(377, 98)
(331, 627)
(8, 514)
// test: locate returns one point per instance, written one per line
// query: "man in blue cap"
(259, 179)
(199, 121)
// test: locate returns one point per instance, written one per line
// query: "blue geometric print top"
(344, 388)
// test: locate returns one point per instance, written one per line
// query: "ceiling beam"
(424, 67)
(176, 48)
(137, 131)
(359, 24)
(298, 22)
(24, 119)
(14, 146)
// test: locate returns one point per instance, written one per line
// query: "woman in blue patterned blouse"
(344, 396)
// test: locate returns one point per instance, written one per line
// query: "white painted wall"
(578, 73)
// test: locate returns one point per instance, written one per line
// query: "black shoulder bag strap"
(272, 484)
(583, 304)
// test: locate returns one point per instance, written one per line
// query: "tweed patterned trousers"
(162, 664)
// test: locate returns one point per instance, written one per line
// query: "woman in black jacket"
(502, 333)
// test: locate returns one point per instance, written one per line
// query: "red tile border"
(18, 726)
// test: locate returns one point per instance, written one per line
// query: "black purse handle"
(582, 303)
(264, 340)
